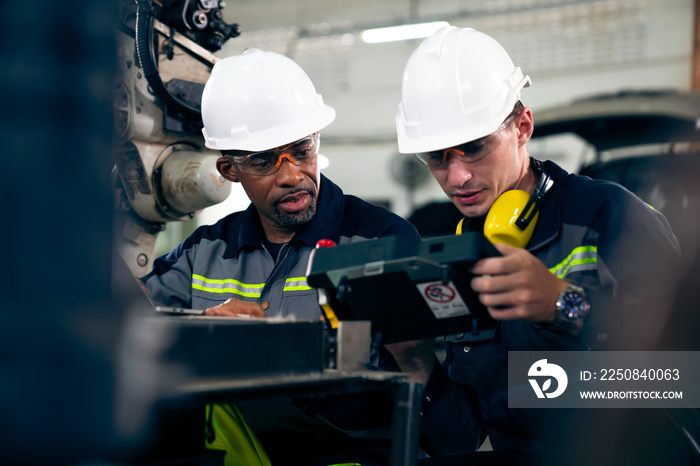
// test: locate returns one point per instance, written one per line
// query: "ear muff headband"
(533, 204)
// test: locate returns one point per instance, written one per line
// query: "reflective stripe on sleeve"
(581, 258)
(227, 286)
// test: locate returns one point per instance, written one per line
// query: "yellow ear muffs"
(500, 225)
(512, 218)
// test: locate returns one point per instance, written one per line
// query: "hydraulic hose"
(147, 61)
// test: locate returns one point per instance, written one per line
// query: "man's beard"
(293, 221)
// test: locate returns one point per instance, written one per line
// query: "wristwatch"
(571, 307)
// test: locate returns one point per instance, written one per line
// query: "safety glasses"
(469, 152)
(300, 153)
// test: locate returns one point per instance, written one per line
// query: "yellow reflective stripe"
(249, 290)
(226, 290)
(578, 259)
(227, 280)
(228, 285)
(297, 284)
(573, 264)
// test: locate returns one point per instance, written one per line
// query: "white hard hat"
(458, 86)
(260, 100)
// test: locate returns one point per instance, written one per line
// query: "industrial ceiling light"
(404, 32)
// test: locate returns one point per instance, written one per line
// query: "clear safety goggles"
(300, 153)
(469, 152)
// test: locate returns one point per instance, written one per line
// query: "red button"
(325, 243)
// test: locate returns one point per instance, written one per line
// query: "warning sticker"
(443, 299)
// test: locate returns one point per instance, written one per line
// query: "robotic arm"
(162, 171)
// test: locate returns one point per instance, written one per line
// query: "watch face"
(573, 302)
(572, 305)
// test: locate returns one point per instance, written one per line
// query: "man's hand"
(415, 358)
(517, 286)
(237, 308)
